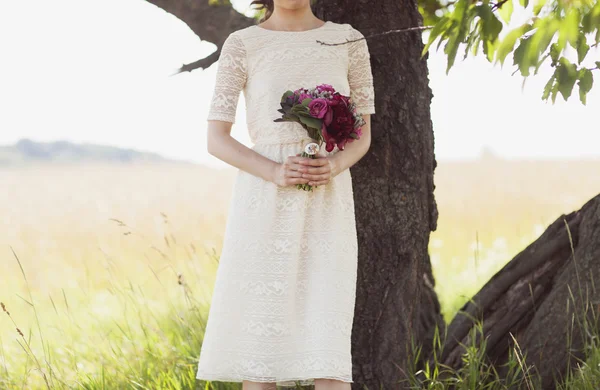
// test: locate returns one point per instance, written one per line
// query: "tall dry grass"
(107, 270)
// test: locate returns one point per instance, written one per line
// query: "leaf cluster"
(294, 111)
(558, 32)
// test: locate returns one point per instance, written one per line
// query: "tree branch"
(212, 22)
(420, 28)
(200, 64)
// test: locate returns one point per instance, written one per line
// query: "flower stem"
(305, 186)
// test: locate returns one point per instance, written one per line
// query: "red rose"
(342, 125)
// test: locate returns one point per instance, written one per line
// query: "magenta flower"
(340, 123)
(325, 88)
(318, 108)
(304, 95)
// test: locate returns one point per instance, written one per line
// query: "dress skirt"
(283, 302)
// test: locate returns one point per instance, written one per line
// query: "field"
(107, 270)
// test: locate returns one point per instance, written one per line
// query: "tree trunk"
(393, 191)
(535, 298)
(393, 183)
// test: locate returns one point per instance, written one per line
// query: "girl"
(283, 302)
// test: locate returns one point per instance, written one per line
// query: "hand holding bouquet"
(328, 116)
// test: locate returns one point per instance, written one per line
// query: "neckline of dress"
(297, 32)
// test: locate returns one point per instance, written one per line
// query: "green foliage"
(477, 372)
(293, 111)
(560, 33)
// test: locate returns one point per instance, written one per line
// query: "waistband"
(301, 141)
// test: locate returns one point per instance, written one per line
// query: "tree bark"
(543, 297)
(393, 183)
(393, 192)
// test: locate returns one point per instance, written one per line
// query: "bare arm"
(222, 145)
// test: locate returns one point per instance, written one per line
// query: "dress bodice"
(263, 64)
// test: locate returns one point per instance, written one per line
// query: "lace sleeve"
(360, 77)
(230, 80)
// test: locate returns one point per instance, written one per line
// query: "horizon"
(485, 153)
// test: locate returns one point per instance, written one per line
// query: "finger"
(316, 162)
(296, 180)
(292, 173)
(318, 182)
(297, 159)
(315, 177)
(316, 170)
(293, 166)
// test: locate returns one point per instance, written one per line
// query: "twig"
(420, 28)
(498, 5)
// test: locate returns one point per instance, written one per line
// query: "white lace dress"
(283, 302)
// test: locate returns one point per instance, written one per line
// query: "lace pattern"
(360, 76)
(229, 81)
(283, 303)
(263, 64)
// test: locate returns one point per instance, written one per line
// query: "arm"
(226, 148)
(230, 81)
(353, 151)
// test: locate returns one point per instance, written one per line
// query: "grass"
(477, 373)
(107, 270)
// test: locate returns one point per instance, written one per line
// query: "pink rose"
(318, 108)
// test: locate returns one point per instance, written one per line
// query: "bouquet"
(328, 116)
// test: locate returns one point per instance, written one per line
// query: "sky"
(102, 71)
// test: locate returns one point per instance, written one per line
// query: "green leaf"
(299, 109)
(582, 48)
(310, 121)
(456, 36)
(591, 20)
(508, 43)
(306, 101)
(569, 29)
(545, 29)
(506, 11)
(519, 57)
(439, 28)
(548, 87)
(314, 133)
(566, 76)
(286, 95)
(287, 118)
(586, 81)
(490, 28)
(524, 3)
(537, 6)
(554, 92)
(472, 43)
(554, 53)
